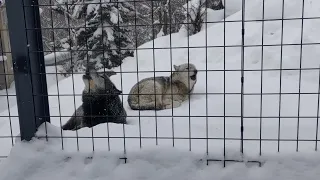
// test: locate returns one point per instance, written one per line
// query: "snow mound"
(41, 159)
(55, 58)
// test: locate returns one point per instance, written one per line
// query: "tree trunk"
(165, 23)
(163, 17)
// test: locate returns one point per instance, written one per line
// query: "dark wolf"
(100, 103)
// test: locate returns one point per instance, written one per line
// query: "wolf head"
(96, 82)
(186, 70)
(185, 73)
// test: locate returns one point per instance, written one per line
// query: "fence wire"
(69, 43)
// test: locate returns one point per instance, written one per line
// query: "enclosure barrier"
(29, 68)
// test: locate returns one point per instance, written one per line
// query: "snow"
(110, 33)
(92, 7)
(40, 11)
(194, 4)
(148, 143)
(213, 16)
(98, 32)
(192, 8)
(161, 33)
(40, 159)
(115, 16)
(57, 57)
(10, 101)
(3, 58)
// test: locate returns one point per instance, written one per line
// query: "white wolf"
(158, 93)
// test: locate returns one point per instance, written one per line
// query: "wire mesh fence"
(254, 88)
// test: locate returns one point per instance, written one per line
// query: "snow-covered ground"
(147, 131)
(44, 160)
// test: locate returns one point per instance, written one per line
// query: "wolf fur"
(100, 103)
(158, 93)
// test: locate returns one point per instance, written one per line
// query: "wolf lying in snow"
(100, 103)
(170, 91)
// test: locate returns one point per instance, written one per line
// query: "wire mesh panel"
(8, 116)
(227, 78)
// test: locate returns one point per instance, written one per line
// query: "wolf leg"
(153, 102)
(169, 104)
(79, 126)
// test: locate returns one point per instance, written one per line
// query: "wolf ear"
(176, 67)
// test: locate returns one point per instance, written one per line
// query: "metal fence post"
(28, 65)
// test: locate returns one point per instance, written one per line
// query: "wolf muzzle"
(194, 76)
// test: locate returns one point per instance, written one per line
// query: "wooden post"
(6, 71)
